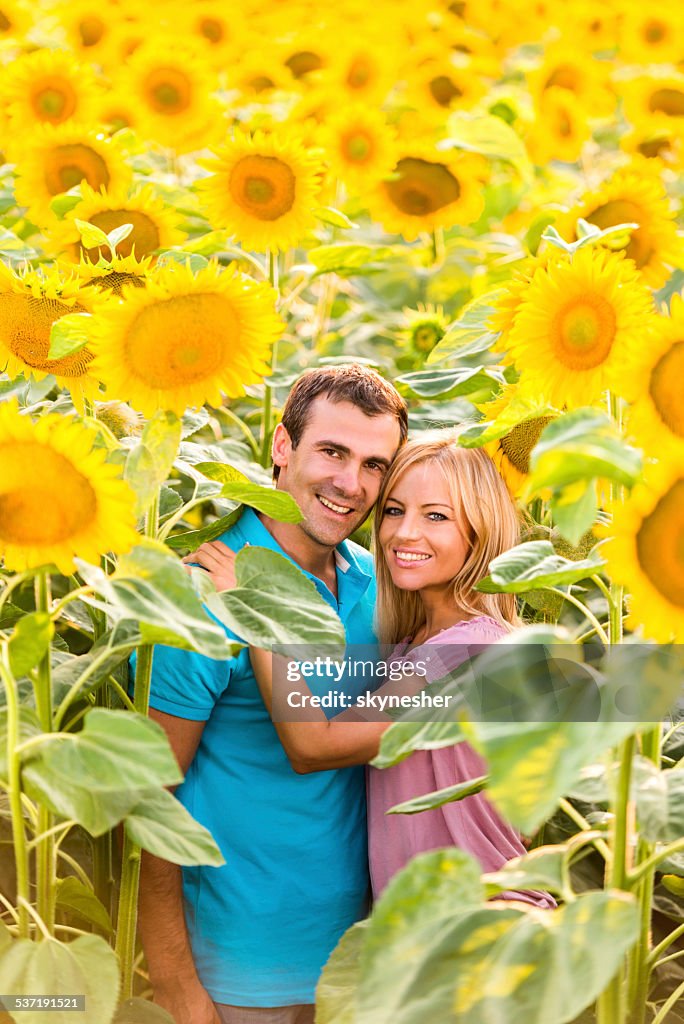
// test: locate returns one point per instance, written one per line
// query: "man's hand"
(219, 561)
(187, 1001)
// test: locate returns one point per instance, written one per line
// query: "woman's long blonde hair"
(487, 516)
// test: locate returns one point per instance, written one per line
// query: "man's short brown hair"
(352, 382)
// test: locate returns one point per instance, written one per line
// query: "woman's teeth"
(410, 556)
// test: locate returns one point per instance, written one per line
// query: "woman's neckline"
(463, 622)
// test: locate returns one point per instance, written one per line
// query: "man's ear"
(281, 446)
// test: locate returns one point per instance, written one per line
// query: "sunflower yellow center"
(263, 186)
(518, 444)
(622, 211)
(91, 30)
(182, 340)
(583, 331)
(144, 236)
(665, 388)
(70, 164)
(422, 187)
(303, 63)
(660, 545)
(25, 324)
(654, 32)
(357, 147)
(667, 101)
(564, 77)
(359, 74)
(443, 90)
(44, 499)
(212, 29)
(54, 101)
(168, 91)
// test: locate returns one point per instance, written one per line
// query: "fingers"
(211, 554)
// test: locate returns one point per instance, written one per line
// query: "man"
(246, 942)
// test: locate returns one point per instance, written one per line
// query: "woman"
(442, 515)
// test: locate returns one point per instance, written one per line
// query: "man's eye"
(375, 466)
(331, 451)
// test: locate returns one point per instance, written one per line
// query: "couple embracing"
(286, 803)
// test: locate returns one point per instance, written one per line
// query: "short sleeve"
(186, 684)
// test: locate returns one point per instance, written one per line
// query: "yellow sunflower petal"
(71, 504)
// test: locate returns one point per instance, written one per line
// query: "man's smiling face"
(334, 473)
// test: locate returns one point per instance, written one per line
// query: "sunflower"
(425, 327)
(645, 551)
(155, 225)
(112, 274)
(428, 190)
(48, 86)
(438, 86)
(88, 26)
(519, 419)
(363, 69)
(59, 157)
(14, 20)
(263, 190)
(651, 35)
(560, 128)
(255, 76)
(360, 146)
(656, 419)
(507, 305)
(636, 195)
(581, 318)
(71, 504)
(654, 102)
(587, 80)
(220, 30)
(186, 339)
(29, 305)
(172, 87)
(663, 145)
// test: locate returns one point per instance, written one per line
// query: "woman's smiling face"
(420, 532)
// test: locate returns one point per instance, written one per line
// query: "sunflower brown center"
(263, 186)
(168, 91)
(91, 30)
(622, 211)
(359, 73)
(665, 388)
(654, 32)
(564, 124)
(660, 545)
(70, 164)
(518, 444)
(54, 101)
(49, 505)
(583, 331)
(116, 280)
(655, 147)
(260, 83)
(443, 90)
(5, 23)
(667, 101)
(25, 324)
(182, 340)
(144, 236)
(565, 77)
(357, 147)
(212, 29)
(422, 187)
(303, 63)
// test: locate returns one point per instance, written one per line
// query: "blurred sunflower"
(255, 76)
(519, 419)
(117, 110)
(645, 551)
(654, 381)
(663, 145)
(596, 27)
(186, 339)
(360, 146)
(305, 51)
(172, 88)
(565, 68)
(155, 225)
(634, 194)
(439, 85)
(15, 20)
(560, 128)
(425, 327)
(48, 86)
(220, 29)
(112, 274)
(581, 318)
(654, 101)
(651, 35)
(88, 26)
(362, 69)
(428, 190)
(72, 503)
(263, 190)
(29, 305)
(59, 157)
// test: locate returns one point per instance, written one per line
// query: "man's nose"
(347, 480)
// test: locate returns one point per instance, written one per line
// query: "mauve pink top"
(471, 824)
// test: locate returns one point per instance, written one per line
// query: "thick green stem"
(21, 858)
(267, 408)
(45, 847)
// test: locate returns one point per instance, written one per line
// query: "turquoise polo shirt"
(296, 872)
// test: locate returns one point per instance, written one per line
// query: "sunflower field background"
(482, 200)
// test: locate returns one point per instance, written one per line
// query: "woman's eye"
(391, 511)
(440, 517)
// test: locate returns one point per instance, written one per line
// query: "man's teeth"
(335, 508)
(411, 556)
